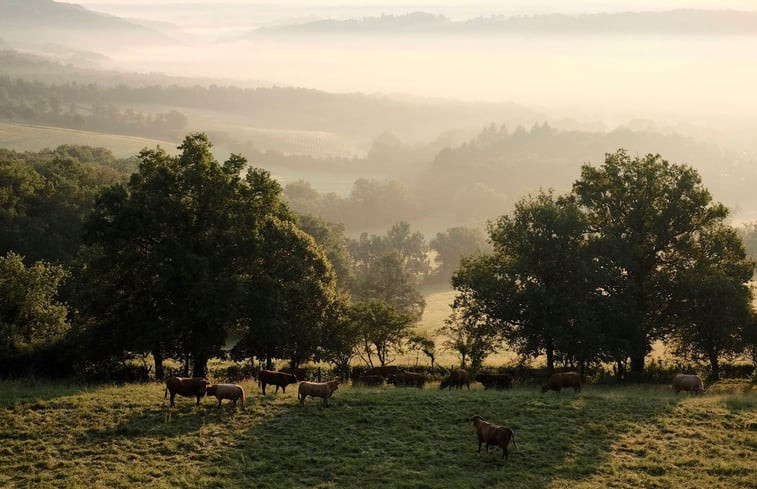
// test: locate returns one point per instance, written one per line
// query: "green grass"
(111, 436)
(25, 137)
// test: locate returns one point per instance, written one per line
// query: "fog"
(404, 91)
(700, 80)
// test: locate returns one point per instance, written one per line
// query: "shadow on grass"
(30, 391)
(407, 438)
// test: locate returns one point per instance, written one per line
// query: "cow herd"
(488, 433)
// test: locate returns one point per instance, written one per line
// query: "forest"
(184, 257)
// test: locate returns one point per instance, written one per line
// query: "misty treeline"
(183, 257)
(69, 106)
(469, 182)
(188, 258)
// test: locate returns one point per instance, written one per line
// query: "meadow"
(58, 435)
(25, 137)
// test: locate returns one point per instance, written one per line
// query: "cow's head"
(211, 389)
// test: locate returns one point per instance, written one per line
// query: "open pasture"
(606, 436)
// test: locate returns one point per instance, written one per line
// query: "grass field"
(23, 137)
(127, 436)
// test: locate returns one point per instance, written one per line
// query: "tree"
(452, 245)
(472, 338)
(331, 238)
(534, 287)
(288, 292)
(642, 212)
(383, 330)
(712, 300)
(170, 249)
(342, 335)
(422, 343)
(30, 314)
(390, 268)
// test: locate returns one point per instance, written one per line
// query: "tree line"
(184, 257)
(638, 251)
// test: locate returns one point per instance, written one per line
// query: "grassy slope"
(69, 436)
(22, 137)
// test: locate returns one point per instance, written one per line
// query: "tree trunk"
(268, 363)
(158, 358)
(714, 365)
(637, 366)
(550, 360)
(200, 365)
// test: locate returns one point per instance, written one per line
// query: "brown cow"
(457, 378)
(187, 387)
(492, 434)
(383, 371)
(688, 382)
(407, 379)
(498, 381)
(563, 379)
(317, 389)
(374, 380)
(299, 372)
(279, 379)
(233, 392)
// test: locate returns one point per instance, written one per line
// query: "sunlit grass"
(111, 436)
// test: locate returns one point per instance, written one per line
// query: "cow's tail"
(512, 438)
(166, 393)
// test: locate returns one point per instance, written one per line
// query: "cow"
(187, 387)
(374, 380)
(410, 379)
(563, 379)
(492, 434)
(456, 378)
(279, 379)
(688, 382)
(233, 392)
(498, 381)
(317, 389)
(383, 371)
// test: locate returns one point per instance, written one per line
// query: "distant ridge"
(674, 22)
(47, 21)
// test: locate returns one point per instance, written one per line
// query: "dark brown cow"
(369, 380)
(187, 387)
(279, 379)
(498, 381)
(407, 379)
(492, 434)
(563, 379)
(457, 378)
(383, 371)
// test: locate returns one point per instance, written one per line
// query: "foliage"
(390, 268)
(331, 238)
(470, 338)
(44, 197)
(384, 330)
(645, 214)
(452, 245)
(188, 246)
(30, 314)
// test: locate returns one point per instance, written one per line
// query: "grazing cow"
(187, 387)
(407, 379)
(369, 380)
(498, 381)
(457, 378)
(317, 389)
(492, 434)
(688, 382)
(383, 371)
(233, 392)
(563, 379)
(279, 379)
